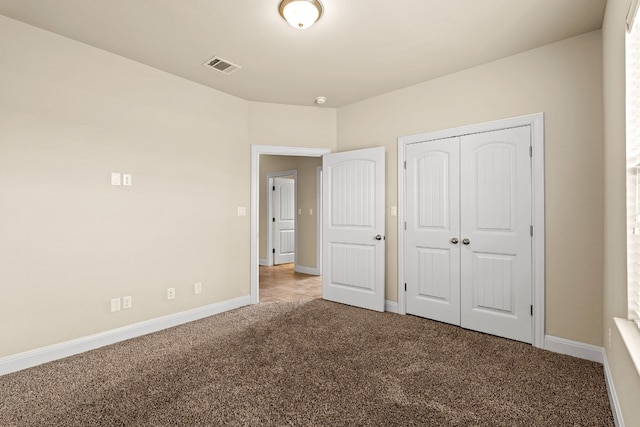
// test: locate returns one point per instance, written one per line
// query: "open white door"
(284, 217)
(353, 238)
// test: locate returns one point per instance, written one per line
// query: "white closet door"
(495, 232)
(432, 256)
(353, 228)
(284, 217)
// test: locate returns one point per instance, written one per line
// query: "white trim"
(263, 262)
(574, 348)
(319, 220)
(391, 306)
(306, 270)
(631, 14)
(631, 338)
(269, 212)
(256, 151)
(61, 350)
(536, 122)
(611, 391)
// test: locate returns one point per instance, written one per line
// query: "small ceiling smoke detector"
(222, 65)
(321, 100)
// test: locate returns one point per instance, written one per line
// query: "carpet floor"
(312, 363)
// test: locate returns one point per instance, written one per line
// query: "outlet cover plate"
(171, 293)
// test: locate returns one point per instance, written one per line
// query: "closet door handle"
(454, 241)
(466, 241)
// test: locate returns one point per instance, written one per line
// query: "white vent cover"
(222, 65)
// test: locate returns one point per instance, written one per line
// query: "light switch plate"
(115, 304)
(115, 178)
(394, 211)
(242, 211)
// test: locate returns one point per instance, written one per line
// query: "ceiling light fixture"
(301, 14)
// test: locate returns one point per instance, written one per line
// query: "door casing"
(269, 231)
(536, 123)
(256, 151)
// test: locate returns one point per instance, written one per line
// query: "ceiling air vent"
(222, 65)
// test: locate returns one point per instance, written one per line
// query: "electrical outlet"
(197, 288)
(126, 179)
(126, 302)
(171, 293)
(115, 304)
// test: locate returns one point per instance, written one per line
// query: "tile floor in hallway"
(282, 283)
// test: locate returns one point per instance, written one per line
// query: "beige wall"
(564, 81)
(625, 376)
(70, 115)
(306, 225)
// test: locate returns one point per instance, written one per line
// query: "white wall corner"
(611, 390)
(61, 350)
(306, 270)
(574, 348)
(391, 306)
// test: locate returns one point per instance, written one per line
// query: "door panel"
(433, 218)
(353, 216)
(284, 203)
(496, 218)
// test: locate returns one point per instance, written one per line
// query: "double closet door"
(468, 257)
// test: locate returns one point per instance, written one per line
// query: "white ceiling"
(358, 49)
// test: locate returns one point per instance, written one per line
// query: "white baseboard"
(263, 262)
(391, 306)
(307, 270)
(574, 348)
(611, 390)
(61, 350)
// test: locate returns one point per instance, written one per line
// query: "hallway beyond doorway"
(281, 283)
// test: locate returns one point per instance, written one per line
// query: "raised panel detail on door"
(352, 266)
(353, 228)
(494, 283)
(495, 191)
(432, 260)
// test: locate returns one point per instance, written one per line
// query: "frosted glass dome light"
(301, 14)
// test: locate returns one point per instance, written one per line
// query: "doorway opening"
(307, 262)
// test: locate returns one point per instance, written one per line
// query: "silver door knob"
(466, 241)
(454, 240)
(378, 237)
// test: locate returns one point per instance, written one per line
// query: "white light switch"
(299, 211)
(126, 179)
(242, 211)
(115, 304)
(394, 211)
(115, 178)
(310, 211)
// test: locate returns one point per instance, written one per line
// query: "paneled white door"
(432, 258)
(468, 240)
(496, 235)
(284, 216)
(353, 243)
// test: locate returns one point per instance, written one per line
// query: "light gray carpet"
(306, 364)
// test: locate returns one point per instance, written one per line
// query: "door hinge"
(274, 220)
(405, 225)
(405, 287)
(274, 188)
(531, 230)
(273, 250)
(531, 310)
(405, 164)
(530, 151)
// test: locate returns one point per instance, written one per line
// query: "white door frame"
(536, 121)
(256, 151)
(269, 193)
